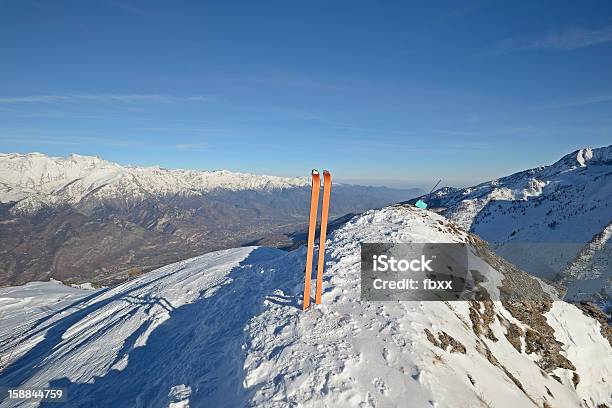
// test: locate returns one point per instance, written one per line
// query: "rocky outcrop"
(445, 341)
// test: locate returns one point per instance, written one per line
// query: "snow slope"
(226, 329)
(541, 219)
(36, 180)
(589, 275)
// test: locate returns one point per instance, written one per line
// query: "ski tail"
(323, 235)
(312, 225)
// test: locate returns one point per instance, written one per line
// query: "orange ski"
(322, 235)
(312, 226)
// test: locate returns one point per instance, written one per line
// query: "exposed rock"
(471, 379)
(550, 394)
(575, 379)
(540, 337)
(432, 339)
(444, 341)
(455, 346)
(482, 314)
(514, 335)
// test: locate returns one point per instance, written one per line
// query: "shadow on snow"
(200, 345)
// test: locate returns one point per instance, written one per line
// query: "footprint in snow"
(380, 386)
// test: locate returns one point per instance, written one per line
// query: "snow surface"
(35, 180)
(226, 329)
(582, 347)
(542, 219)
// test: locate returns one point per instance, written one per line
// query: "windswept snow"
(22, 305)
(226, 329)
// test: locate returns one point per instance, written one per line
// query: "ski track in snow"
(226, 329)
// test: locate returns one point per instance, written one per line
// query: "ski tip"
(315, 172)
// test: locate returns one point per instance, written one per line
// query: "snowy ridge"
(590, 273)
(523, 185)
(36, 180)
(582, 158)
(541, 218)
(226, 329)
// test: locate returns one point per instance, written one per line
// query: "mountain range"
(84, 219)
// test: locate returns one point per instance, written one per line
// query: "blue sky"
(389, 92)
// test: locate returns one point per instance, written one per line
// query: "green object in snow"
(420, 204)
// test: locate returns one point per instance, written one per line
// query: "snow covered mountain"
(226, 329)
(84, 219)
(546, 219)
(36, 180)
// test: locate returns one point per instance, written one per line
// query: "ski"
(312, 226)
(323, 234)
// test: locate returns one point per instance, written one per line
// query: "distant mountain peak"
(585, 157)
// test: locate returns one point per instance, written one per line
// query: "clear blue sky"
(382, 92)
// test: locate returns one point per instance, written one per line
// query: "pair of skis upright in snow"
(312, 226)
